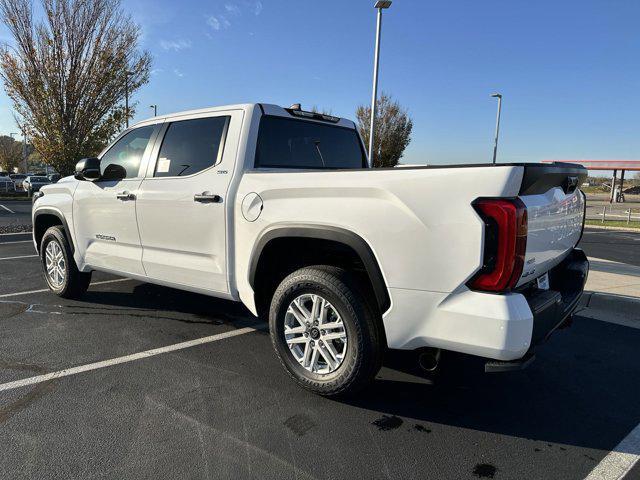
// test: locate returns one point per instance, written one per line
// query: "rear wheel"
(324, 331)
(60, 270)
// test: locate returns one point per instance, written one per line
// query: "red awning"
(632, 165)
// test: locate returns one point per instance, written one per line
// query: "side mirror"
(88, 169)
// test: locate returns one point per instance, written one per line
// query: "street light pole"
(126, 97)
(380, 5)
(12, 135)
(155, 110)
(24, 151)
(495, 145)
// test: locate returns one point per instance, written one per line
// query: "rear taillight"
(505, 243)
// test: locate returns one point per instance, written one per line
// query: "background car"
(54, 177)
(33, 183)
(6, 184)
(18, 178)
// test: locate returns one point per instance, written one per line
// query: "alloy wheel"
(54, 264)
(315, 334)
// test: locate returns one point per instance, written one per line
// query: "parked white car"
(276, 208)
(18, 179)
(33, 183)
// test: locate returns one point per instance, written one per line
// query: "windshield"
(289, 143)
(39, 179)
(18, 177)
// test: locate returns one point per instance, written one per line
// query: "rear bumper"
(503, 327)
(552, 308)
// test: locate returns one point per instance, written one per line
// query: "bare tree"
(10, 153)
(67, 74)
(323, 111)
(392, 131)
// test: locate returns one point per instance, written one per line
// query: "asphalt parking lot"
(224, 408)
(612, 245)
(15, 215)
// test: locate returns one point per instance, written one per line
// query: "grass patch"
(15, 197)
(614, 223)
(595, 190)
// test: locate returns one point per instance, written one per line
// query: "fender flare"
(56, 213)
(335, 234)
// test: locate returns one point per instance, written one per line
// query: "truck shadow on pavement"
(153, 301)
(580, 391)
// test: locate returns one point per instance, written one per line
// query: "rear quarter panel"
(418, 222)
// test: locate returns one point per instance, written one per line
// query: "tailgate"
(555, 209)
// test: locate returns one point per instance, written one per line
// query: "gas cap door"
(251, 207)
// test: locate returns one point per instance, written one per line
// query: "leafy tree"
(67, 74)
(392, 130)
(10, 153)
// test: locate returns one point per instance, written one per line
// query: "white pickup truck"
(277, 208)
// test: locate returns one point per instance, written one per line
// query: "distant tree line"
(12, 156)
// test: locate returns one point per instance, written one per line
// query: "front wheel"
(324, 331)
(60, 270)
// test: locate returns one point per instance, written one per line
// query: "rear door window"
(190, 146)
(290, 143)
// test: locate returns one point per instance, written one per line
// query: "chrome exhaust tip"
(429, 359)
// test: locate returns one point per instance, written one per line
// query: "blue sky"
(569, 70)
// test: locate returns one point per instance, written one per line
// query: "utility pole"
(24, 151)
(126, 97)
(495, 145)
(12, 135)
(380, 5)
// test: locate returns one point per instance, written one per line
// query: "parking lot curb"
(612, 308)
(621, 304)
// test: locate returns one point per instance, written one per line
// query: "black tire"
(29, 193)
(75, 282)
(363, 356)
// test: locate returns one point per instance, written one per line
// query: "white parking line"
(15, 233)
(620, 460)
(7, 209)
(16, 258)
(5, 295)
(128, 358)
(19, 241)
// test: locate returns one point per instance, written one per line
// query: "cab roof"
(265, 108)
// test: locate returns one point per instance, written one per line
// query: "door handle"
(125, 196)
(207, 197)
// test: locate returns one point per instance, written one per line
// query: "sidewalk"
(612, 293)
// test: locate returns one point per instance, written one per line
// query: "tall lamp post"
(12, 135)
(380, 5)
(495, 145)
(155, 110)
(24, 151)
(126, 95)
